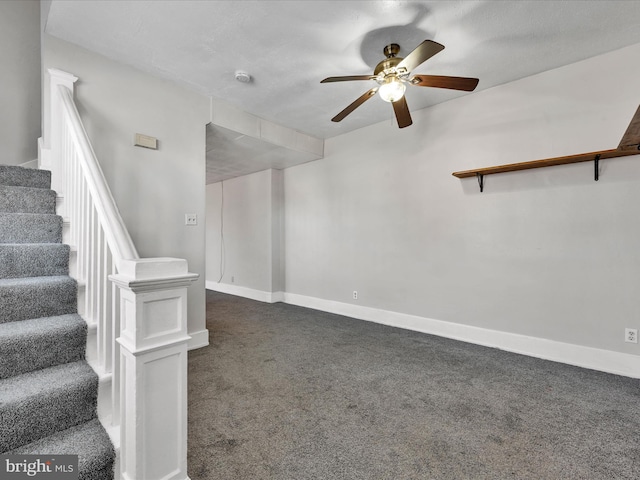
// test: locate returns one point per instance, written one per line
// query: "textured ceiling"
(289, 46)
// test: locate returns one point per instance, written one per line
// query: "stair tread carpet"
(30, 228)
(27, 200)
(39, 403)
(24, 177)
(48, 392)
(89, 441)
(37, 343)
(36, 297)
(33, 260)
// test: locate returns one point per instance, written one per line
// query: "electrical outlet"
(355, 294)
(233, 279)
(190, 219)
(631, 335)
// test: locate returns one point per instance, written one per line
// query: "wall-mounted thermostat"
(146, 141)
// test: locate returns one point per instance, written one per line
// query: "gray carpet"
(48, 392)
(26, 199)
(31, 402)
(11, 175)
(88, 440)
(33, 259)
(284, 392)
(35, 343)
(30, 228)
(35, 297)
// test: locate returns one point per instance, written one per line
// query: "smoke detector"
(243, 77)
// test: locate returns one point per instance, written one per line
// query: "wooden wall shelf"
(629, 145)
(547, 162)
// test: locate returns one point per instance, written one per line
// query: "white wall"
(277, 231)
(545, 262)
(20, 80)
(154, 189)
(247, 213)
(545, 253)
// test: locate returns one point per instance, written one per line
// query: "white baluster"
(115, 346)
(100, 298)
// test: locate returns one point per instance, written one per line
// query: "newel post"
(153, 367)
(50, 147)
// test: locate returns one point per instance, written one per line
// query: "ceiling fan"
(394, 73)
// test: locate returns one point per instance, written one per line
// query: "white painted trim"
(199, 339)
(153, 367)
(277, 297)
(580, 356)
(30, 164)
(253, 294)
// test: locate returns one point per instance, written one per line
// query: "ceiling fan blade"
(401, 110)
(438, 81)
(363, 98)
(348, 78)
(420, 54)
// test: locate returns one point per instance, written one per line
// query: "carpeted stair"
(48, 392)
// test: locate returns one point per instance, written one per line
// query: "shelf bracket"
(596, 168)
(480, 181)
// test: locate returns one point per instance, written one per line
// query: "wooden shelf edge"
(548, 162)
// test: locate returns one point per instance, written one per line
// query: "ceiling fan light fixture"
(392, 89)
(393, 73)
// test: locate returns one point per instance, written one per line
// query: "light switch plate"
(191, 219)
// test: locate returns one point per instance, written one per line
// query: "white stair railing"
(135, 308)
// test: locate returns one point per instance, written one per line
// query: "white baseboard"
(253, 294)
(199, 339)
(580, 356)
(277, 297)
(586, 357)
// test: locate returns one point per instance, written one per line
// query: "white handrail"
(136, 309)
(118, 237)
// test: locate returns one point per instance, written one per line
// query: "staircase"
(48, 392)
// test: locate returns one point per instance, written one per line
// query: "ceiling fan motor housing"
(391, 50)
(387, 64)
